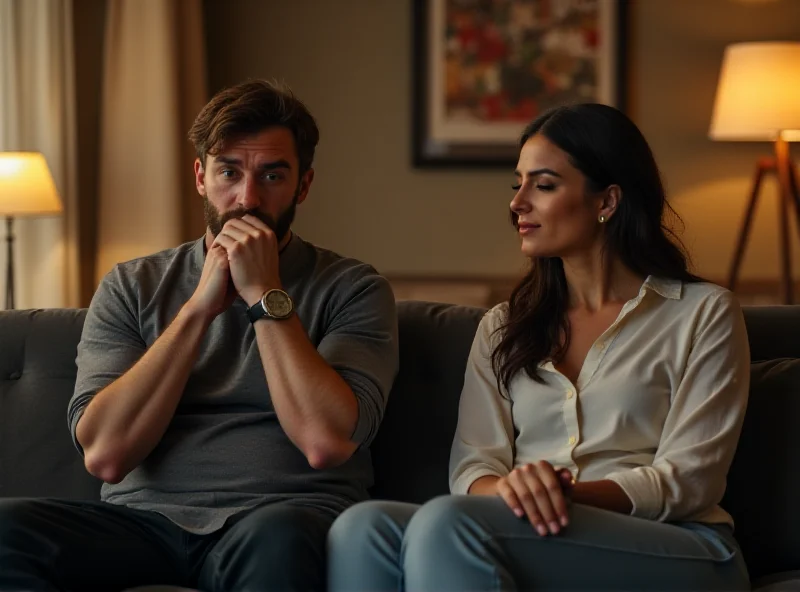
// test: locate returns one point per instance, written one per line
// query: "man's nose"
(249, 199)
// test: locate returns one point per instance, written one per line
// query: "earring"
(601, 219)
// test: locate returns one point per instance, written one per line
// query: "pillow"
(763, 491)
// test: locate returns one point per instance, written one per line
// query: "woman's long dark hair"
(608, 149)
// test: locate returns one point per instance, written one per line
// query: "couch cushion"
(770, 331)
(37, 377)
(787, 581)
(764, 480)
(411, 452)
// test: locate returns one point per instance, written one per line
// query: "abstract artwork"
(485, 68)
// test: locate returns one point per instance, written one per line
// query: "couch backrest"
(37, 376)
(411, 451)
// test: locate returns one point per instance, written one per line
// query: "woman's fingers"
(527, 501)
(555, 491)
(566, 478)
(545, 489)
(505, 491)
(537, 492)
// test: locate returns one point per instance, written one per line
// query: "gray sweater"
(225, 451)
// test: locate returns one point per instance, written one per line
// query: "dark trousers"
(64, 545)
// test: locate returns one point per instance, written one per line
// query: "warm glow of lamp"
(26, 189)
(758, 99)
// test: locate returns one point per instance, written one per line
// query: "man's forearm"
(126, 420)
(315, 406)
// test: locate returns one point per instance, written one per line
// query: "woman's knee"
(364, 546)
(364, 522)
(444, 512)
(442, 521)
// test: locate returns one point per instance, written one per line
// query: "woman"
(601, 405)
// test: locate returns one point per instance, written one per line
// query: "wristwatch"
(274, 304)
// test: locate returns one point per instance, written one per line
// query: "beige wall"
(350, 61)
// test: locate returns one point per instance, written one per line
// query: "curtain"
(37, 113)
(153, 86)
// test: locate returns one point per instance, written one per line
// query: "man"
(227, 389)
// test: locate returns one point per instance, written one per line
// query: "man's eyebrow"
(266, 166)
(536, 172)
(228, 160)
(275, 164)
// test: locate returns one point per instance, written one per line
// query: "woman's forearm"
(605, 494)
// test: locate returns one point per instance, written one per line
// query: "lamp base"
(10, 263)
(789, 198)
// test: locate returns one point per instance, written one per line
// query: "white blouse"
(657, 408)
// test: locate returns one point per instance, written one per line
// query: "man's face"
(255, 175)
(215, 219)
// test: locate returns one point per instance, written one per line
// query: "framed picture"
(483, 69)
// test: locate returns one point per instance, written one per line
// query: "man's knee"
(279, 547)
(15, 516)
(285, 528)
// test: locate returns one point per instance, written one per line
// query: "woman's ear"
(611, 198)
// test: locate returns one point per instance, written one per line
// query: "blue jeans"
(477, 543)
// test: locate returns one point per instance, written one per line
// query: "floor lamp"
(758, 99)
(26, 189)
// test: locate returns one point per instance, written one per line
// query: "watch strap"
(257, 311)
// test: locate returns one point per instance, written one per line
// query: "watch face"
(278, 303)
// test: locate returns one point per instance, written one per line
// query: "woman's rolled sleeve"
(702, 428)
(483, 442)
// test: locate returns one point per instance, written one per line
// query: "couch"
(410, 453)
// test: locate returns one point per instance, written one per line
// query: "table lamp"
(758, 99)
(26, 189)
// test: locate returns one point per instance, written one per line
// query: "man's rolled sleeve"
(361, 345)
(110, 344)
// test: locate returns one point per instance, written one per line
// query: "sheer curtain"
(153, 86)
(37, 113)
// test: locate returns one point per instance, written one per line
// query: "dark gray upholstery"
(773, 331)
(37, 375)
(764, 480)
(410, 454)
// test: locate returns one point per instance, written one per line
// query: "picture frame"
(483, 69)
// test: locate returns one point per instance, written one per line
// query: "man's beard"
(215, 221)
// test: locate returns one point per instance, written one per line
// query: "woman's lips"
(527, 228)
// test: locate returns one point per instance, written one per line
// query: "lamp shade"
(758, 95)
(26, 186)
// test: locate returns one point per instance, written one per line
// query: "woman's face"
(557, 216)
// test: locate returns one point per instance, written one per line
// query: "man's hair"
(249, 108)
